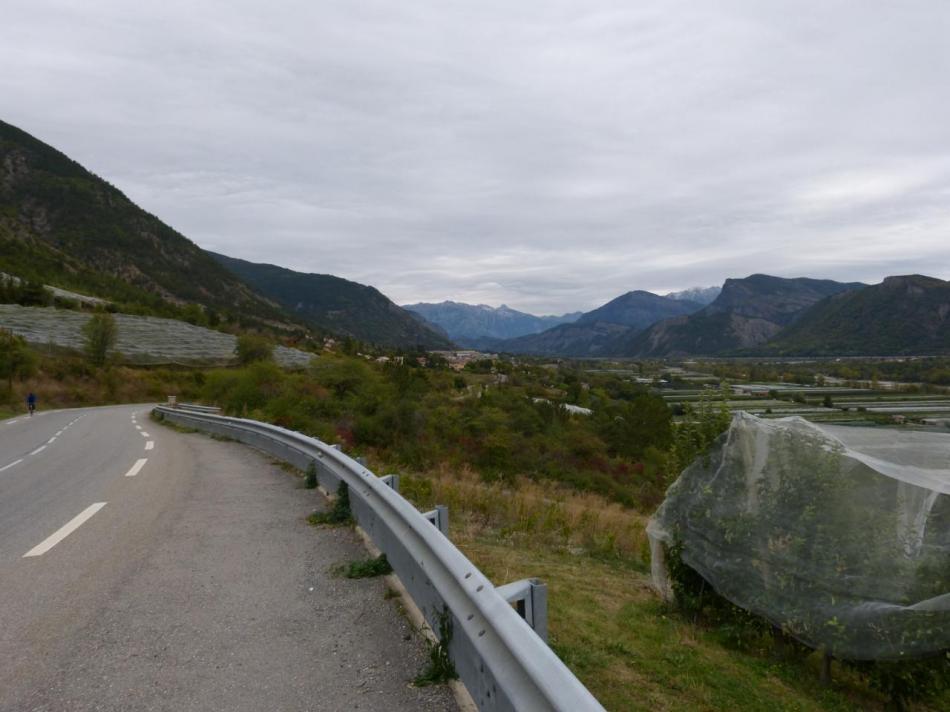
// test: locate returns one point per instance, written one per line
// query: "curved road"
(146, 569)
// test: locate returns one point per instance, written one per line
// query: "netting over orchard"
(838, 535)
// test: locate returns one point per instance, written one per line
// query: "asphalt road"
(146, 569)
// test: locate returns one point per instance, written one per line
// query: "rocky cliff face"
(747, 313)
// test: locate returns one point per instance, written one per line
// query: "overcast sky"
(548, 155)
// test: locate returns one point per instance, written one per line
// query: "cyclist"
(31, 402)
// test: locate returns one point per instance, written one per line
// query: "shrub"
(251, 349)
(99, 334)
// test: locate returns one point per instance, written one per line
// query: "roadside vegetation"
(534, 490)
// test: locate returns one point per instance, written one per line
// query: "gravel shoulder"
(202, 587)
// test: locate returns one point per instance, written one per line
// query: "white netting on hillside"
(839, 535)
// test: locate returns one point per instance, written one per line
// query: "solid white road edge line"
(137, 467)
(64, 531)
(7, 467)
(150, 444)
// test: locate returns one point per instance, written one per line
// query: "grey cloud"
(549, 155)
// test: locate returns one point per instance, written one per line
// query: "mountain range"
(600, 331)
(62, 225)
(701, 295)
(472, 325)
(747, 313)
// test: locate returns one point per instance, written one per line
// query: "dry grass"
(65, 382)
(534, 512)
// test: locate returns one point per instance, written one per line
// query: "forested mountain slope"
(902, 315)
(62, 225)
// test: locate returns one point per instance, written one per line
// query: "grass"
(528, 513)
(365, 568)
(339, 513)
(439, 668)
(635, 654)
(605, 621)
(310, 478)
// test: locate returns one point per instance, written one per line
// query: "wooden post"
(826, 669)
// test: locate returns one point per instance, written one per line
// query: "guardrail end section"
(440, 518)
(529, 598)
(391, 481)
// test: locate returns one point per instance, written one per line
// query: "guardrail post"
(439, 517)
(392, 481)
(337, 446)
(362, 461)
(530, 599)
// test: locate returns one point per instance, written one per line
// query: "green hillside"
(62, 225)
(338, 305)
(901, 316)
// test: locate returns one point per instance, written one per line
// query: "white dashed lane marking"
(137, 467)
(7, 467)
(65, 530)
(150, 445)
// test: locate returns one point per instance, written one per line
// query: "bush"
(907, 680)
(251, 349)
(16, 358)
(100, 334)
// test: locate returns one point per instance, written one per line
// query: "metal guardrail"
(506, 666)
(195, 408)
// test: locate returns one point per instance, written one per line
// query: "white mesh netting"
(839, 535)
